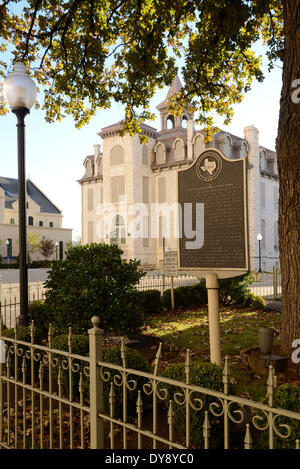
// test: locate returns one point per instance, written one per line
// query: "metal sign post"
(212, 194)
(171, 270)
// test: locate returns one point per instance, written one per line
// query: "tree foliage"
(87, 53)
(47, 248)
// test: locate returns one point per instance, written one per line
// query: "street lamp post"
(259, 238)
(7, 250)
(20, 92)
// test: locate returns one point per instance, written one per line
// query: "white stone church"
(126, 173)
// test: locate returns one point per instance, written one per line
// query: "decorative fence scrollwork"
(56, 399)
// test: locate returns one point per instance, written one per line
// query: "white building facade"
(44, 221)
(131, 180)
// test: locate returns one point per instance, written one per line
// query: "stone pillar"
(254, 204)
(212, 285)
(190, 136)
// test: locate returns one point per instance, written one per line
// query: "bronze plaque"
(212, 194)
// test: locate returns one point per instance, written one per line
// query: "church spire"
(174, 89)
(163, 107)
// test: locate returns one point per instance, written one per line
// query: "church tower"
(169, 121)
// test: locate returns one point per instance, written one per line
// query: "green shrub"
(150, 301)
(258, 302)
(23, 333)
(207, 375)
(94, 280)
(80, 346)
(185, 296)
(235, 290)
(37, 312)
(286, 396)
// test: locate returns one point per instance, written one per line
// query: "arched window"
(243, 150)
(116, 155)
(160, 154)
(40, 223)
(88, 169)
(179, 150)
(263, 162)
(170, 122)
(184, 121)
(30, 221)
(51, 224)
(227, 147)
(199, 145)
(99, 166)
(118, 233)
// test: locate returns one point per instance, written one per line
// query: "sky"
(55, 152)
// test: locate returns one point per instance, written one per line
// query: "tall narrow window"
(145, 190)
(117, 155)
(30, 221)
(145, 155)
(145, 232)
(90, 232)
(117, 188)
(90, 200)
(161, 189)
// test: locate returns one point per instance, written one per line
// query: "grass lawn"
(188, 329)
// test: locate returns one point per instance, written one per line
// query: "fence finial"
(248, 439)
(157, 359)
(226, 375)
(206, 430)
(70, 340)
(95, 321)
(270, 385)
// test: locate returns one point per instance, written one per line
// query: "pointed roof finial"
(174, 89)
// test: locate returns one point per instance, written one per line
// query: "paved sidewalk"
(12, 275)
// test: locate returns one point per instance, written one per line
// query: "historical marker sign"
(171, 263)
(216, 188)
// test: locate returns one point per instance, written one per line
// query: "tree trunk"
(288, 154)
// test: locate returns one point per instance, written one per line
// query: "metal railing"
(10, 300)
(267, 284)
(162, 282)
(61, 402)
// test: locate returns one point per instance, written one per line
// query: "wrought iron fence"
(162, 283)
(55, 399)
(267, 284)
(10, 300)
